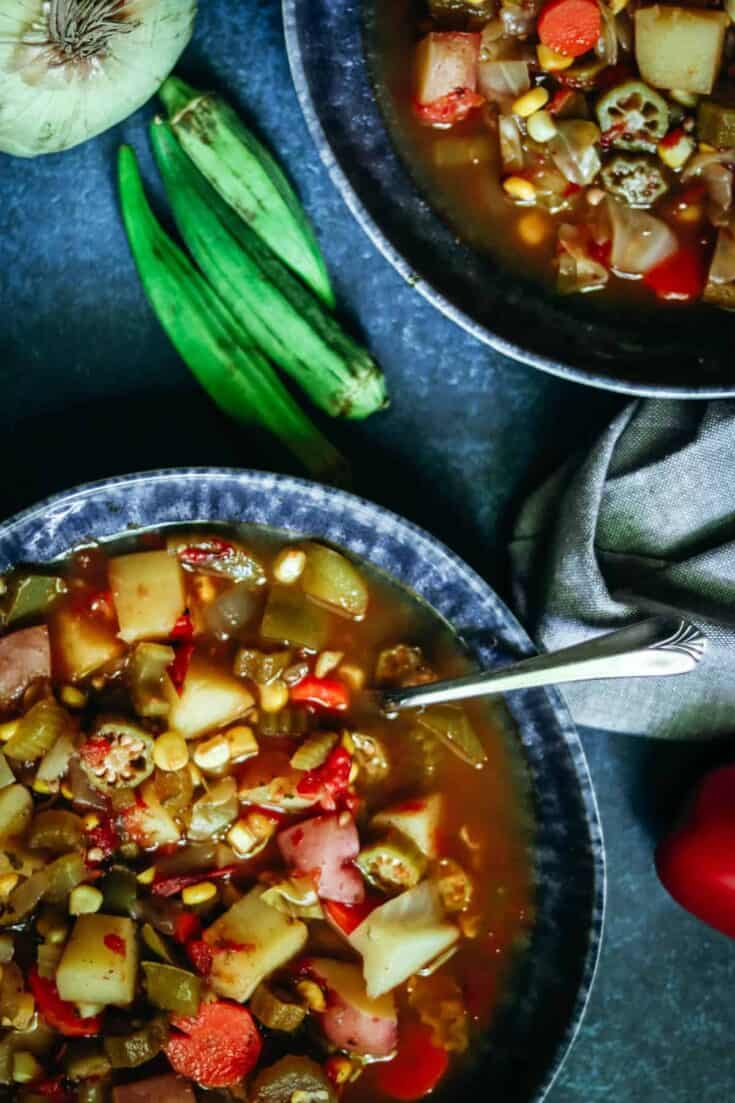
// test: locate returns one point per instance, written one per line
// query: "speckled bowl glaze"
(337, 67)
(531, 1035)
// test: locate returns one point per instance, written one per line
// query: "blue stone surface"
(91, 387)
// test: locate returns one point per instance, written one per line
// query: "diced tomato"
(183, 629)
(348, 917)
(115, 944)
(200, 955)
(59, 1014)
(330, 781)
(186, 927)
(325, 694)
(170, 886)
(217, 1048)
(450, 109)
(417, 1067)
(179, 668)
(570, 27)
(681, 277)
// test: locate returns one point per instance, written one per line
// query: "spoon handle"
(657, 647)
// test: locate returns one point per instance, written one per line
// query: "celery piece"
(171, 988)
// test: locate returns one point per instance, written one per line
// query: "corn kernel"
(199, 894)
(8, 881)
(289, 566)
(85, 900)
(72, 697)
(326, 662)
(170, 751)
(686, 99)
(550, 60)
(243, 743)
(44, 788)
(705, 147)
(273, 697)
(676, 155)
(25, 1067)
(519, 189)
(147, 876)
(251, 833)
(7, 731)
(533, 228)
(66, 791)
(312, 995)
(531, 102)
(353, 674)
(213, 753)
(541, 126)
(91, 820)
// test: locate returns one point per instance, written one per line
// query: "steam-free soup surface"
(221, 869)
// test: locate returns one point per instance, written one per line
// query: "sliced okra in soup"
(209, 873)
(530, 124)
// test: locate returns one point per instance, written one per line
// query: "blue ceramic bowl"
(337, 65)
(530, 1037)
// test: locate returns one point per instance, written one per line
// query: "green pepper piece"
(716, 123)
(172, 989)
(128, 1051)
(118, 756)
(31, 597)
(392, 864)
(153, 942)
(638, 181)
(84, 1059)
(260, 666)
(274, 1012)
(280, 1082)
(452, 726)
(148, 666)
(290, 618)
(120, 891)
(633, 116)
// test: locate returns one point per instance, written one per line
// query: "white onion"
(70, 69)
(503, 80)
(639, 240)
(578, 271)
(723, 262)
(574, 152)
(511, 149)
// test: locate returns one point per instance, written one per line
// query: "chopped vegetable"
(446, 68)
(679, 48)
(452, 726)
(418, 820)
(214, 811)
(210, 699)
(216, 1049)
(347, 917)
(277, 312)
(279, 1083)
(640, 241)
(31, 596)
(210, 340)
(314, 751)
(16, 811)
(171, 988)
(401, 937)
(329, 694)
(274, 1012)
(417, 1067)
(146, 673)
(328, 784)
(149, 595)
(85, 1060)
(638, 181)
(352, 1020)
(716, 123)
(329, 577)
(38, 730)
(248, 943)
(83, 643)
(260, 666)
(392, 864)
(58, 1013)
(56, 831)
(130, 1051)
(290, 618)
(118, 756)
(680, 277)
(25, 657)
(569, 27)
(326, 847)
(162, 1089)
(633, 116)
(248, 178)
(93, 972)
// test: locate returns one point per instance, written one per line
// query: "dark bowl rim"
(414, 279)
(354, 505)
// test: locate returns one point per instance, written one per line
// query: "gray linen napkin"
(646, 518)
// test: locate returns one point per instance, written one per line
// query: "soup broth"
(222, 870)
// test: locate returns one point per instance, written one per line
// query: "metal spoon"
(654, 648)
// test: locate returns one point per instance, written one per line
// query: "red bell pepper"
(217, 1048)
(326, 694)
(59, 1014)
(186, 927)
(183, 629)
(696, 862)
(417, 1067)
(348, 917)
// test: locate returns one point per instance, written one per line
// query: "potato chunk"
(680, 47)
(210, 699)
(251, 941)
(81, 644)
(100, 962)
(149, 594)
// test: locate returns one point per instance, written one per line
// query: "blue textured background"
(90, 387)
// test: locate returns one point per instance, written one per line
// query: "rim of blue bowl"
(339, 176)
(58, 508)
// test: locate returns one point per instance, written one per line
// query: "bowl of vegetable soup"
(556, 176)
(222, 875)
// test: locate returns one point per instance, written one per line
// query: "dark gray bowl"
(336, 67)
(530, 1038)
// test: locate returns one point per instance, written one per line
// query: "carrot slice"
(417, 1067)
(570, 27)
(217, 1048)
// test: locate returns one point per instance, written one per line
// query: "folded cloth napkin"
(643, 522)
